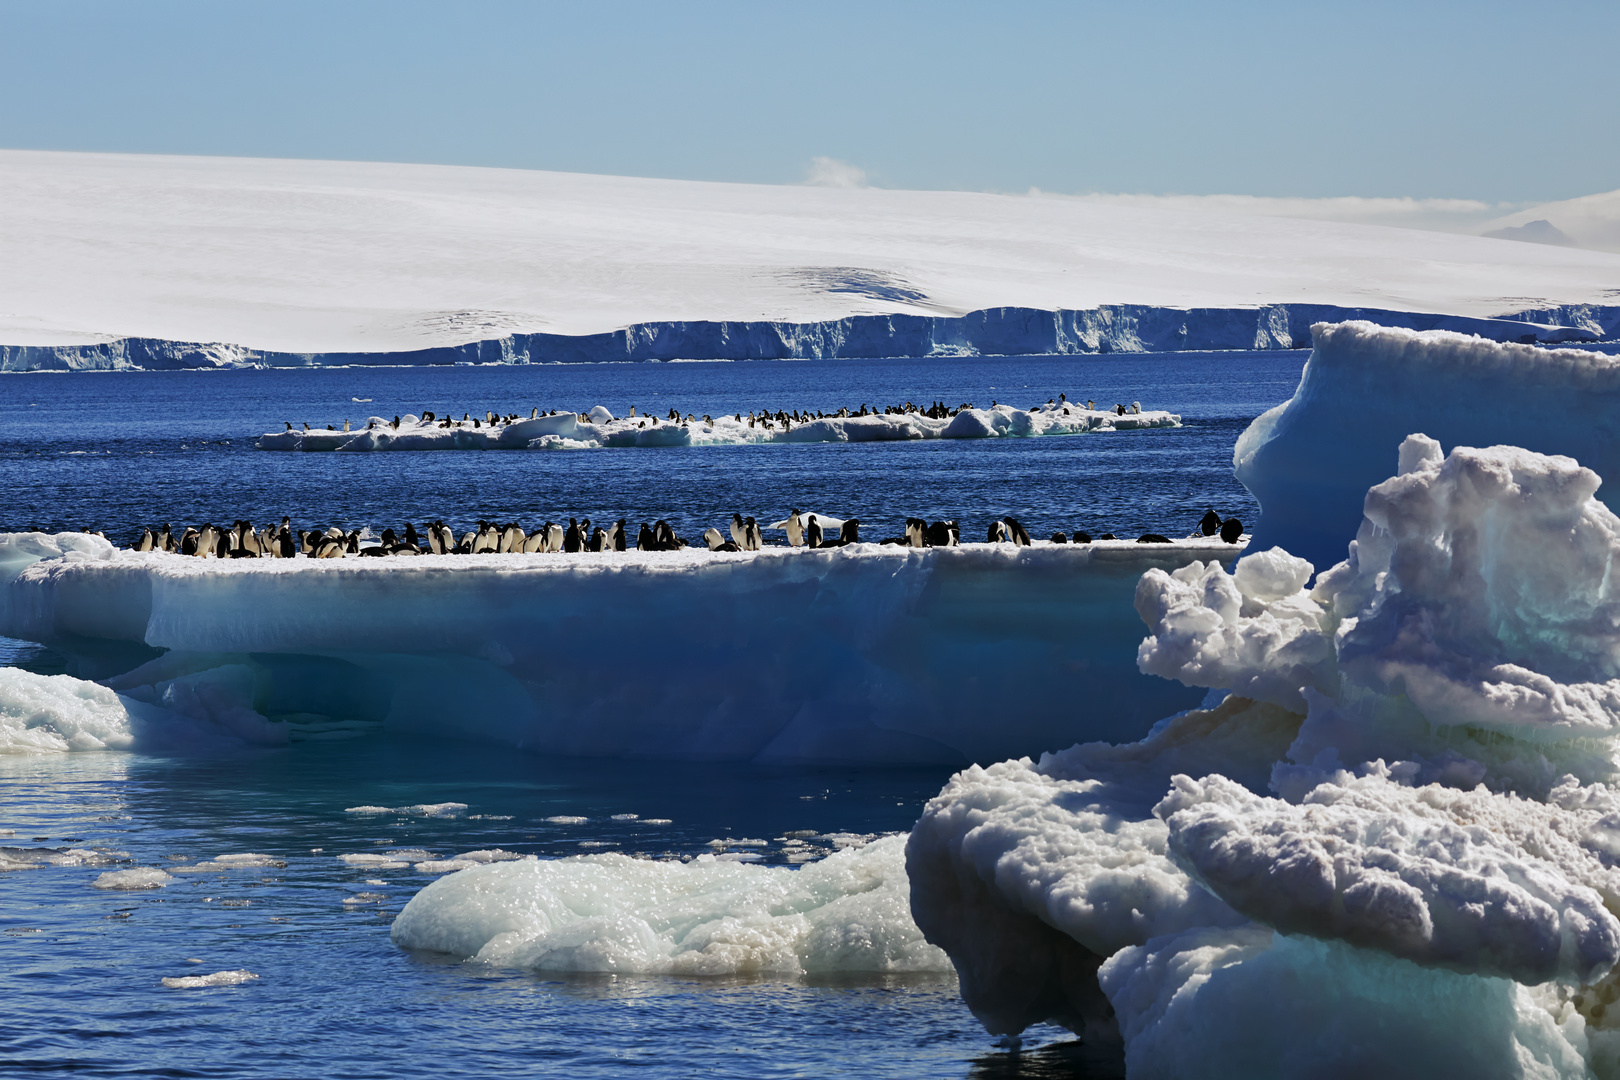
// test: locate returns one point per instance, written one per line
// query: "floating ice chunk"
(626, 817)
(1244, 1002)
(491, 855)
(246, 860)
(567, 819)
(426, 810)
(365, 898)
(58, 713)
(218, 978)
(730, 842)
(613, 913)
(142, 877)
(657, 821)
(445, 866)
(371, 861)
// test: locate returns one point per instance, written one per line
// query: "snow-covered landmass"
(866, 654)
(1394, 843)
(599, 427)
(1310, 460)
(170, 262)
(612, 913)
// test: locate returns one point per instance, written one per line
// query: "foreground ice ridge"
(863, 654)
(598, 428)
(1001, 331)
(613, 913)
(1396, 839)
(1310, 460)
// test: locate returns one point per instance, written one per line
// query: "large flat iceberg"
(1394, 845)
(867, 654)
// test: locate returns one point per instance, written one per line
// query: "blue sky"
(1491, 101)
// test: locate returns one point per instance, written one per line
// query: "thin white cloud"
(830, 172)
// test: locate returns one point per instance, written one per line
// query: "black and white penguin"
(716, 542)
(1209, 524)
(645, 541)
(166, 540)
(944, 534)
(752, 534)
(598, 540)
(997, 533)
(812, 532)
(1059, 538)
(916, 532)
(739, 532)
(1017, 533)
(1231, 530)
(1082, 537)
(795, 529)
(573, 543)
(616, 541)
(286, 546)
(1152, 538)
(554, 537)
(145, 542)
(189, 540)
(850, 533)
(665, 537)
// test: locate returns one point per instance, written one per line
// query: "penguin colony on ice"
(765, 418)
(242, 541)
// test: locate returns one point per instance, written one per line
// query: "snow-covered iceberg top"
(863, 654)
(1310, 460)
(599, 428)
(1405, 811)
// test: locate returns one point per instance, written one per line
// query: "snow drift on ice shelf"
(1309, 460)
(1394, 845)
(599, 427)
(613, 913)
(864, 654)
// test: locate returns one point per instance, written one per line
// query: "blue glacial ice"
(866, 654)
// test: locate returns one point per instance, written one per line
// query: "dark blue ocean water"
(80, 969)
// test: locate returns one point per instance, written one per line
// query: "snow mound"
(1398, 832)
(1310, 460)
(597, 428)
(613, 913)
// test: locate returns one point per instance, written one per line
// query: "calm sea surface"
(80, 969)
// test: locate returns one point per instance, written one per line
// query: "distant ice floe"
(141, 877)
(426, 810)
(1393, 846)
(614, 913)
(599, 428)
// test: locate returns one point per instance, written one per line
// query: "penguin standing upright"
(850, 532)
(916, 533)
(572, 541)
(554, 537)
(146, 542)
(644, 538)
(795, 529)
(739, 532)
(1017, 532)
(1209, 524)
(616, 537)
(997, 533)
(812, 533)
(752, 533)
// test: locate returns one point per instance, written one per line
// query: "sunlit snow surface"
(1404, 812)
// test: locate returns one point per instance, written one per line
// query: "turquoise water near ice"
(81, 969)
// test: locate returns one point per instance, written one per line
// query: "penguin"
(1059, 538)
(751, 531)
(1209, 524)
(599, 540)
(572, 541)
(208, 539)
(616, 540)
(166, 540)
(436, 538)
(512, 538)
(943, 534)
(351, 544)
(1082, 537)
(645, 541)
(287, 548)
(850, 533)
(1108, 536)
(916, 532)
(1152, 538)
(997, 533)
(188, 541)
(554, 537)
(411, 536)
(812, 533)
(1231, 530)
(146, 542)
(665, 535)
(1019, 534)
(534, 414)
(716, 542)
(795, 529)
(739, 533)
